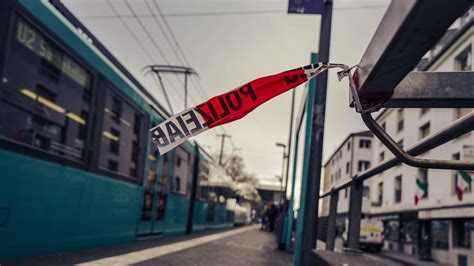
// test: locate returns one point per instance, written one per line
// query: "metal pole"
(306, 152)
(189, 224)
(285, 219)
(289, 141)
(186, 90)
(310, 215)
(331, 233)
(282, 175)
(290, 214)
(222, 146)
(355, 211)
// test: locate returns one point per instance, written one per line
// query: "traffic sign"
(305, 7)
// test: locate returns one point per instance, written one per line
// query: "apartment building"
(425, 211)
(353, 155)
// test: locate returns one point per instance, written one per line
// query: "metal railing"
(407, 31)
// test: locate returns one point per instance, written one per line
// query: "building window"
(348, 145)
(460, 112)
(339, 173)
(423, 182)
(381, 156)
(347, 167)
(462, 232)
(400, 120)
(424, 131)
(363, 165)
(178, 161)
(380, 193)
(114, 141)
(332, 178)
(398, 189)
(440, 234)
(424, 111)
(366, 192)
(365, 143)
(345, 193)
(463, 60)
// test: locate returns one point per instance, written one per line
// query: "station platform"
(246, 245)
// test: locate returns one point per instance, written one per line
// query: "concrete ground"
(242, 246)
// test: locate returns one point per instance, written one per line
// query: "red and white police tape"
(233, 105)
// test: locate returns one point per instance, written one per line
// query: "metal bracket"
(407, 158)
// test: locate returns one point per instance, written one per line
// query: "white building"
(352, 156)
(439, 225)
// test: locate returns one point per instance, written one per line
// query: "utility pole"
(186, 71)
(311, 197)
(289, 141)
(223, 136)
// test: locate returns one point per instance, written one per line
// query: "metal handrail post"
(355, 214)
(331, 233)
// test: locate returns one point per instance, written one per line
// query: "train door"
(149, 222)
(161, 192)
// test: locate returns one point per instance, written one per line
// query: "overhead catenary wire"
(178, 46)
(195, 82)
(230, 13)
(135, 37)
(154, 43)
(159, 83)
(160, 27)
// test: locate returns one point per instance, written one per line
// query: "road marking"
(155, 252)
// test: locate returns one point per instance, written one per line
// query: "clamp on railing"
(365, 111)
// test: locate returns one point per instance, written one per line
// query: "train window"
(177, 184)
(120, 141)
(45, 95)
(181, 170)
(203, 179)
(114, 143)
(113, 165)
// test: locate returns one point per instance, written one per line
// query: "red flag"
(231, 105)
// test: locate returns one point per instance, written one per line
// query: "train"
(79, 168)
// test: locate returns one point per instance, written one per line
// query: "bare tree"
(244, 182)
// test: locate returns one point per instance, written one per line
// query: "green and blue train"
(78, 168)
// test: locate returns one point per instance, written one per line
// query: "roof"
(446, 42)
(271, 187)
(365, 133)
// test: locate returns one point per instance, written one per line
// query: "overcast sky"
(230, 49)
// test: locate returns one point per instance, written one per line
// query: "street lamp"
(278, 144)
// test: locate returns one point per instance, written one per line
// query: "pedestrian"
(272, 215)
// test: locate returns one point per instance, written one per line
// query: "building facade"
(422, 209)
(352, 156)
